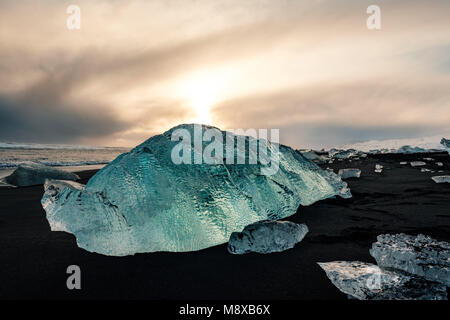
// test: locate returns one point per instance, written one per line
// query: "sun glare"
(201, 93)
(202, 102)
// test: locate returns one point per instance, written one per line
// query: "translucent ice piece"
(144, 202)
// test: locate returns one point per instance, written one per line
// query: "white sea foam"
(20, 145)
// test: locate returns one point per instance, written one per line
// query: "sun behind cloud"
(201, 93)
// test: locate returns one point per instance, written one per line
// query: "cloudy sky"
(137, 68)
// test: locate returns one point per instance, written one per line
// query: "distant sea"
(68, 157)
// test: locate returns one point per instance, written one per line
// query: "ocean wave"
(15, 164)
(16, 145)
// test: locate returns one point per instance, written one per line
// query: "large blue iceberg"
(144, 202)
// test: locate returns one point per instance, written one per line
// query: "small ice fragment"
(439, 164)
(425, 170)
(313, 156)
(378, 168)
(404, 162)
(349, 173)
(417, 163)
(267, 236)
(441, 179)
(33, 173)
(366, 281)
(428, 159)
(419, 255)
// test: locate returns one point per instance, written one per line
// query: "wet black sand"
(33, 260)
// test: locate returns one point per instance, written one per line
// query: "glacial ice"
(409, 267)
(365, 281)
(378, 168)
(446, 144)
(420, 255)
(267, 236)
(343, 154)
(143, 202)
(441, 179)
(349, 173)
(417, 163)
(32, 173)
(313, 156)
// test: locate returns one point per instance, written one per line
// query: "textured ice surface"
(446, 144)
(420, 255)
(31, 173)
(349, 173)
(366, 281)
(267, 236)
(441, 179)
(143, 202)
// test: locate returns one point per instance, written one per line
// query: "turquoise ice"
(446, 144)
(143, 202)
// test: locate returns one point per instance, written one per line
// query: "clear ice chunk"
(378, 168)
(420, 255)
(32, 173)
(313, 156)
(365, 281)
(143, 202)
(417, 163)
(349, 173)
(441, 179)
(266, 237)
(344, 154)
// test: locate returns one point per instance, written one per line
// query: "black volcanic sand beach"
(33, 260)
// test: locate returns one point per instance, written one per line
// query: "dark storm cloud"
(46, 110)
(41, 113)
